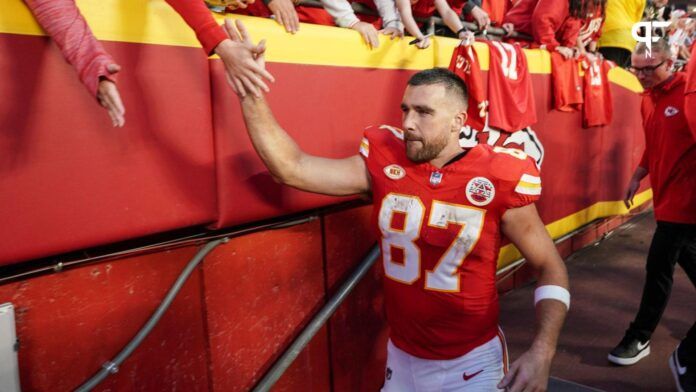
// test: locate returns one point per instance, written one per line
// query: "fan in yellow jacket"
(616, 42)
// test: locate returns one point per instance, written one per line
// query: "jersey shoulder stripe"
(529, 185)
(365, 147)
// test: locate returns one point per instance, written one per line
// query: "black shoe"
(684, 377)
(629, 351)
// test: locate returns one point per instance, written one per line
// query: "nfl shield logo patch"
(435, 178)
(480, 191)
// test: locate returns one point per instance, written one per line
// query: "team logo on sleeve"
(480, 191)
(395, 172)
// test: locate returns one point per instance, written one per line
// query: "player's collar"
(457, 157)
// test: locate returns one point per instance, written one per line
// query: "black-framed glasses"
(649, 70)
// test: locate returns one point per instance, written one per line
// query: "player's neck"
(446, 155)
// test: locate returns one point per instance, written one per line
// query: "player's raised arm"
(525, 229)
(284, 158)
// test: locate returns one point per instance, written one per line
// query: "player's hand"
(566, 52)
(481, 17)
(285, 14)
(392, 32)
(245, 73)
(633, 186)
(423, 43)
(529, 373)
(110, 99)
(368, 32)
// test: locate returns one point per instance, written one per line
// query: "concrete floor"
(606, 283)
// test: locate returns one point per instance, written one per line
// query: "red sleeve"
(690, 91)
(62, 20)
(547, 18)
(569, 31)
(520, 15)
(518, 176)
(528, 185)
(199, 18)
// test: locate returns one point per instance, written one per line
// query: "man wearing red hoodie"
(670, 159)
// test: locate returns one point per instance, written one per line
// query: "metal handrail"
(111, 367)
(284, 362)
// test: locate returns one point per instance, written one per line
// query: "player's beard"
(427, 151)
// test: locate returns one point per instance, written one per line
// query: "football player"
(441, 212)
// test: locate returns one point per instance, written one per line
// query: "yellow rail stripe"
(563, 226)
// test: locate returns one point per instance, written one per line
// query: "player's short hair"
(453, 83)
(661, 47)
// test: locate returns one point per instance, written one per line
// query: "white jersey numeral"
(404, 239)
(508, 56)
(444, 276)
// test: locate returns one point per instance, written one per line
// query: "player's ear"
(459, 121)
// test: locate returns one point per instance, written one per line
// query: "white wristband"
(552, 292)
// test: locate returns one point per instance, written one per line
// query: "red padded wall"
(358, 328)
(70, 323)
(260, 290)
(70, 180)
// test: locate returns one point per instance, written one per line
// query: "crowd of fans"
(573, 28)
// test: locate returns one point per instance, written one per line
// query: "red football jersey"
(590, 30)
(567, 85)
(440, 238)
(466, 65)
(510, 95)
(597, 110)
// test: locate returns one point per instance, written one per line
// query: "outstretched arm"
(448, 15)
(238, 58)
(283, 157)
(525, 229)
(404, 8)
(96, 68)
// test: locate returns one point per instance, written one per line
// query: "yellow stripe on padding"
(563, 226)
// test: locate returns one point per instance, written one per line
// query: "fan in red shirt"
(441, 211)
(670, 159)
(563, 26)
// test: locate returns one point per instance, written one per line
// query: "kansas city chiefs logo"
(395, 172)
(480, 191)
(671, 111)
